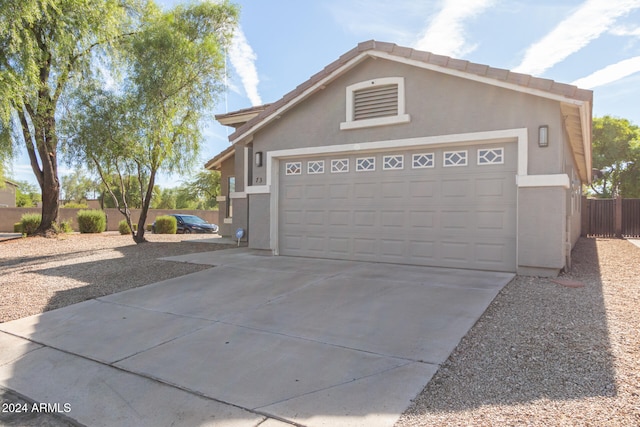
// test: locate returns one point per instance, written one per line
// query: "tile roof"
(523, 80)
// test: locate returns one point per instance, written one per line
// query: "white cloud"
(587, 23)
(445, 34)
(626, 31)
(243, 59)
(610, 73)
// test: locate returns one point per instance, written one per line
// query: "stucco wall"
(226, 170)
(440, 105)
(8, 196)
(259, 220)
(573, 199)
(541, 230)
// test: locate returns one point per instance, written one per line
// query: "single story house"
(391, 154)
(8, 194)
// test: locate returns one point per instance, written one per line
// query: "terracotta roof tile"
(404, 52)
(420, 55)
(478, 69)
(518, 78)
(499, 74)
(457, 64)
(438, 60)
(541, 84)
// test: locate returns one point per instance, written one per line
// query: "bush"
(63, 227)
(17, 227)
(123, 227)
(166, 224)
(92, 221)
(148, 227)
(30, 223)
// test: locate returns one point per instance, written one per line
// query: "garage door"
(449, 207)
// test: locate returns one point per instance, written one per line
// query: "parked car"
(191, 224)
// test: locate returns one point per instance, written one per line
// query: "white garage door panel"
(463, 216)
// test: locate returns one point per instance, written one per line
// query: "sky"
(594, 44)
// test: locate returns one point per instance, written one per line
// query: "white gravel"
(40, 274)
(545, 354)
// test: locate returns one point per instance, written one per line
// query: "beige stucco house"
(8, 195)
(395, 155)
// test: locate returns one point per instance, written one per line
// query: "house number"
(258, 180)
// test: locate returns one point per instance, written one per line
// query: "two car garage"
(447, 206)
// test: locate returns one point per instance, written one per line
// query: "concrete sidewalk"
(10, 236)
(256, 340)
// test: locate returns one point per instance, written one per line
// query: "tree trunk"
(42, 147)
(47, 146)
(50, 203)
(146, 202)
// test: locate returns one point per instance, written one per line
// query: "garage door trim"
(469, 139)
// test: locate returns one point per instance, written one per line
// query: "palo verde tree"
(43, 45)
(616, 153)
(150, 121)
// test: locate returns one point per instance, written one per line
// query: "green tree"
(164, 199)
(173, 75)
(616, 153)
(203, 188)
(27, 195)
(119, 189)
(45, 45)
(77, 187)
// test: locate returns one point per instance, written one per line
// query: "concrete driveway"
(256, 340)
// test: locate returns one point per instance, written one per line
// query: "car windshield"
(192, 219)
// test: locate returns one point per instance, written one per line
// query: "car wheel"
(187, 231)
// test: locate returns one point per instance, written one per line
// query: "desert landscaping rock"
(543, 354)
(41, 274)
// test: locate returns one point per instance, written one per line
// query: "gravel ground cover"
(40, 274)
(543, 354)
(547, 353)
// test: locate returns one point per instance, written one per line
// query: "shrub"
(166, 224)
(17, 227)
(92, 221)
(63, 227)
(148, 227)
(123, 227)
(30, 223)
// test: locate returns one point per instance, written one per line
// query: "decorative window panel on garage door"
(428, 214)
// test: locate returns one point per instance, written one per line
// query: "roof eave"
(216, 162)
(497, 77)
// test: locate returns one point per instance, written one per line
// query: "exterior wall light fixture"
(258, 158)
(543, 136)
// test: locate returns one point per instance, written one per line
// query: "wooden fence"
(611, 217)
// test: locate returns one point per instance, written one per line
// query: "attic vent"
(378, 101)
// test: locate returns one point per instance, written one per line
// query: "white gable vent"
(376, 102)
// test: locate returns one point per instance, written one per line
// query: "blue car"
(191, 224)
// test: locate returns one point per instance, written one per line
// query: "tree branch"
(28, 138)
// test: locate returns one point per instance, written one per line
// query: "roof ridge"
(460, 65)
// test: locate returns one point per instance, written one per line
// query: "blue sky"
(594, 44)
